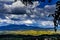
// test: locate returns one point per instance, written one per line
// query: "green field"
(30, 35)
(30, 32)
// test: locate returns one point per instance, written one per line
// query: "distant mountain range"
(22, 27)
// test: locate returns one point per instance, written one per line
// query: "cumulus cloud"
(36, 14)
(28, 22)
(17, 6)
(8, 21)
(47, 24)
(50, 8)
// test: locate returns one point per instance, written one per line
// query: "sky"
(37, 17)
(42, 4)
(47, 3)
(6, 0)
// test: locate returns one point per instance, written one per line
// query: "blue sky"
(42, 4)
(47, 3)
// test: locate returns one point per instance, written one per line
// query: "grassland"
(31, 32)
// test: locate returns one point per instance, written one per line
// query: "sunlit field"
(30, 35)
(30, 32)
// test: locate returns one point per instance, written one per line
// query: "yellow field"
(32, 32)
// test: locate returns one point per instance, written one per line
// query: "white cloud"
(19, 7)
(35, 4)
(8, 21)
(28, 22)
(17, 4)
(50, 8)
(47, 23)
(44, 24)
